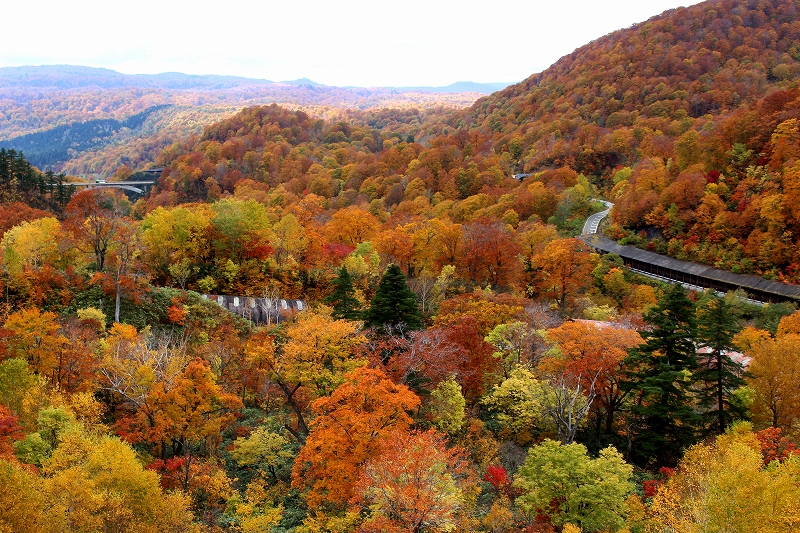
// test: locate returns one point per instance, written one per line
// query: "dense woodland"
(464, 363)
(48, 148)
(81, 120)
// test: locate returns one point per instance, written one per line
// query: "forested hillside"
(688, 121)
(459, 361)
(690, 141)
(661, 78)
(23, 183)
(50, 110)
(57, 145)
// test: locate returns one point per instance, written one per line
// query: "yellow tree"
(173, 236)
(791, 188)
(288, 239)
(532, 238)
(447, 242)
(318, 352)
(22, 501)
(774, 375)
(240, 228)
(749, 337)
(33, 254)
(518, 405)
(31, 244)
(423, 239)
(515, 343)
(98, 484)
(724, 487)
(784, 141)
(789, 325)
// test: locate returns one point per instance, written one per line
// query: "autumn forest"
(455, 357)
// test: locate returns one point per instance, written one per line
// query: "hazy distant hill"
(45, 149)
(76, 118)
(462, 87)
(304, 81)
(71, 77)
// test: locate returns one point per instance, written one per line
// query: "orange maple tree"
(593, 354)
(490, 252)
(191, 413)
(36, 336)
(417, 483)
(564, 267)
(349, 428)
(94, 218)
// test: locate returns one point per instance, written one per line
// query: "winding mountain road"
(695, 276)
(593, 221)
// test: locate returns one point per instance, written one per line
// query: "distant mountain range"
(462, 87)
(57, 114)
(73, 77)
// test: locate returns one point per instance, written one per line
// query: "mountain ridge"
(686, 63)
(78, 76)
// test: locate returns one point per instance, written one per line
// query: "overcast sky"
(345, 42)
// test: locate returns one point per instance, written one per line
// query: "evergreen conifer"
(345, 304)
(394, 304)
(719, 374)
(661, 380)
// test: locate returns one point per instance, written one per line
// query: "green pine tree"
(719, 375)
(343, 300)
(394, 304)
(661, 380)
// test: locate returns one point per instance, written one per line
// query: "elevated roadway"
(689, 274)
(127, 185)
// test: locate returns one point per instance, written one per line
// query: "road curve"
(593, 221)
(694, 276)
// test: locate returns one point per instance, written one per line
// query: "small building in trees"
(259, 310)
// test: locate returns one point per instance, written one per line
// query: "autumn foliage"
(416, 483)
(470, 326)
(349, 429)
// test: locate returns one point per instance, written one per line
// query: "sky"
(344, 43)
